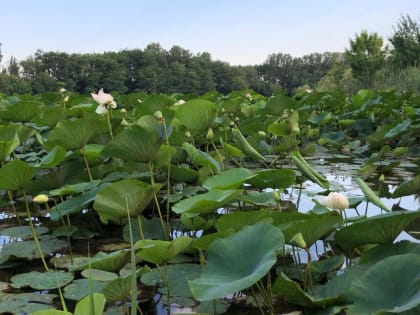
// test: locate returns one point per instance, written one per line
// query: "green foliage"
(365, 56)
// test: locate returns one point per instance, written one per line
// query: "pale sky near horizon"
(236, 31)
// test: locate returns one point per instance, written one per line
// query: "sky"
(241, 32)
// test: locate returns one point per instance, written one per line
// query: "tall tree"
(406, 43)
(365, 56)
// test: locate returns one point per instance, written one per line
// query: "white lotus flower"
(105, 100)
(334, 201)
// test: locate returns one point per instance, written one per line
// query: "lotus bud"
(188, 134)
(232, 124)
(62, 90)
(298, 240)
(158, 115)
(40, 199)
(261, 133)
(276, 195)
(124, 122)
(140, 101)
(66, 99)
(248, 96)
(123, 111)
(210, 134)
(334, 201)
(236, 119)
(382, 178)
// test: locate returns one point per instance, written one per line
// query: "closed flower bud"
(382, 178)
(276, 195)
(158, 115)
(188, 134)
(40, 199)
(334, 201)
(210, 134)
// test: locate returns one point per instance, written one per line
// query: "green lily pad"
(92, 304)
(158, 252)
(99, 275)
(207, 202)
(75, 188)
(178, 277)
(230, 179)
(42, 280)
(119, 289)
(79, 288)
(112, 262)
(380, 229)
(25, 303)
(28, 249)
(73, 205)
(23, 231)
(131, 196)
(230, 267)
(238, 220)
(293, 293)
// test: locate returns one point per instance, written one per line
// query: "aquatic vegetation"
(210, 203)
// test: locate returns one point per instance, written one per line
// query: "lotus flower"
(105, 100)
(334, 201)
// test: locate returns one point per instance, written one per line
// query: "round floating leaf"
(99, 275)
(25, 303)
(230, 267)
(28, 249)
(135, 144)
(79, 288)
(158, 252)
(178, 277)
(230, 179)
(131, 196)
(391, 285)
(42, 280)
(16, 175)
(112, 262)
(119, 289)
(379, 229)
(23, 231)
(293, 293)
(207, 202)
(75, 188)
(197, 115)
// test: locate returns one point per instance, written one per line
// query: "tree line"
(366, 63)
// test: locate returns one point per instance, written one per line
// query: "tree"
(406, 43)
(365, 56)
(13, 67)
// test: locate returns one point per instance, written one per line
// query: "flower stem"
(31, 224)
(152, 181)
(87, 165)
(108, 119)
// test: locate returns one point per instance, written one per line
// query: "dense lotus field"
(155, 204)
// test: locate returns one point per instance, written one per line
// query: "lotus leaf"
(158, 252)
(91, 304)
(131, 196)
(42, 280)
(230, 179)
(274, 178)
(207, 202)
(135, 144)
(25, 303)
(178, 277)
(16, 175)
(230, 268)
(201, 158)
(391, 285)
(112, 262)
(79, 288)
(196, 115)
(380, 229)
(99, 275)
(23, 231)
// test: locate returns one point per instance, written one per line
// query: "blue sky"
(237, 31)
